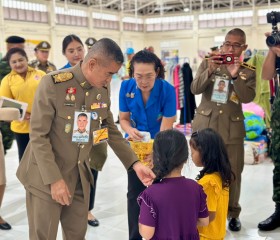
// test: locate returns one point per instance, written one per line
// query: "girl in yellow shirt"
(21, 84)
(208, 151)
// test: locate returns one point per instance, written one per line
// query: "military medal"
(67, 128)
(98, 97)
(71, 91)
(95, 106)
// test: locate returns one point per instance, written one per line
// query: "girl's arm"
(202, 222)
(146, 232)
(212, 216)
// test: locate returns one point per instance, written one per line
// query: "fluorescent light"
(186, 9)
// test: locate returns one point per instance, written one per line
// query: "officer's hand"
(134, 135)
(60, 192)
(144, 173)
(234, 68)
(213, 63)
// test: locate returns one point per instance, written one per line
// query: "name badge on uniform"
(81, 127)
(220, 90)
(100, 135)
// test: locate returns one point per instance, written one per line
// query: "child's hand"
(148, 161)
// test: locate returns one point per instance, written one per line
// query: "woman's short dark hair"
(170, 151)
(13, 51)
(68, 39)
(145, 56)
(213, 152)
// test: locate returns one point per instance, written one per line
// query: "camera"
(274, 38)
(226, 58)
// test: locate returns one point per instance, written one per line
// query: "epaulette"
(246, 65)
(62, 77)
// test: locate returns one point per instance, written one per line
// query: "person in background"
(271, 63)
(173, 206)
(5, 127)
(225, 114)
(6, 114)
(42, 51)
(73, 50)
(54, 170)
(129, 55)
(147, 103)
(215, 50)
(21, 84)
(90, 42)
(209, 152)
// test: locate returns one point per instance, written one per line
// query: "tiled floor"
(111, 199)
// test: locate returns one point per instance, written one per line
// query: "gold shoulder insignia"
(246, 65)
(62, 77)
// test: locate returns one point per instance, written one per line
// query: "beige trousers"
(236, 158)
(2, 163)
(44, 217)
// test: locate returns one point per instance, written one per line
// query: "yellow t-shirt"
(15, 87)
(217, 201)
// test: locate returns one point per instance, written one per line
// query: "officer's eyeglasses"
(234, 46)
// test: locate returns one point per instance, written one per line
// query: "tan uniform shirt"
(49, 67)
(227, 119)
(51, 155)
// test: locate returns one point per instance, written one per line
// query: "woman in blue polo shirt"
(147, 103)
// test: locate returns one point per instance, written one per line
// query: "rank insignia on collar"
(62, 77)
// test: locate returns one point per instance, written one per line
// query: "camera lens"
(273, 40)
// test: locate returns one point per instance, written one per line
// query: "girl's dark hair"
(145, 56)
(170, 151)
(214, 156)
(68, 39)
(13, 51)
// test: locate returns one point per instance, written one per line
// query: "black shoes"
(272, 222)
(234, 224)
(93, 222)
(5, 226)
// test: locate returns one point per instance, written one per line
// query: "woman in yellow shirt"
(20, 84)
(208, 151)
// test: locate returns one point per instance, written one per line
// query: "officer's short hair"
(105, 49)
(82, 115)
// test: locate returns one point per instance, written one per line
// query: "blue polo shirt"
(161, 103)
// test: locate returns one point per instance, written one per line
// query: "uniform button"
(87, 93)
(79, 162)
(237, 118)
(221, 111)
(82, 146)
(202, 111)
(213, 80)
(69, 117)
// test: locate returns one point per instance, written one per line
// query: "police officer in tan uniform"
(42, 51)
(223, 112)
(55, 170)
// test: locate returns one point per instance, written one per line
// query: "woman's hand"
(27, 116)
(134, 134)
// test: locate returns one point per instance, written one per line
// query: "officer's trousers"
(44, 217)
(236, 158)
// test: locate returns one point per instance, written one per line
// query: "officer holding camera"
(223, 112)
(271, 68)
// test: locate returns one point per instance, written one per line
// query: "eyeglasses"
(234, 46)
(194, 134)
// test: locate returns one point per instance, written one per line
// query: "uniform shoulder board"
(246, 65)
(62, 77)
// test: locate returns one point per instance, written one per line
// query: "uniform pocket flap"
(204, 112)
(237, 117)
(65, 115)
